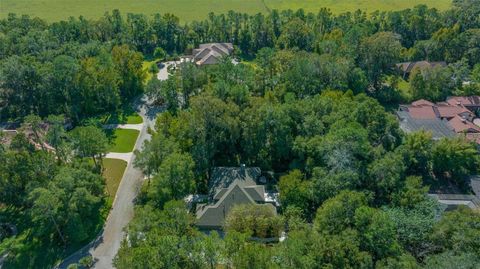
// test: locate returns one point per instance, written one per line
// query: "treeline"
(427, 30)
(52, 193)
(346, 233)
(76, 80)
(70, 67)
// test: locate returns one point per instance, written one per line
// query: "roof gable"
(214, 215)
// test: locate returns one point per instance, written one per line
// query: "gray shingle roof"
(223, 177)
(452, 201)
(210, 53)
(475, 185)
(229, 186)
(439, 128)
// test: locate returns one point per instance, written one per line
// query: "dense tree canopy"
(309, 102)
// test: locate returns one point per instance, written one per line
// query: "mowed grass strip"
(122, 140)
(134, 119)
(189, 10)
(113, 170)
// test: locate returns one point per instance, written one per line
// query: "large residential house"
(211, 53)
(455, 116)
(452, 201)
(406, 68)
(232, 186)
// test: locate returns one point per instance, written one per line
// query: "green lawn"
(188, 10)
(125, 117)
(113, 172)
(146, 66)
(133, 119)
(122, 140)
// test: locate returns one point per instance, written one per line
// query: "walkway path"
(124, 126)
(106, 245)
(122, 156)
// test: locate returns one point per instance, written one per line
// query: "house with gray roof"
(211, 53)
(230, 186)
(439, 128)
(453, 201)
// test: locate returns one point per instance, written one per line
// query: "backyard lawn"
(113, 172)
(188, 10)
(122, 140)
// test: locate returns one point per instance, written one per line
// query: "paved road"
(106, 246)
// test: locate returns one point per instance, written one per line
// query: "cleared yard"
(146, 66)
(125, 117)
(122, 140)
(188, 10)
(113, 172)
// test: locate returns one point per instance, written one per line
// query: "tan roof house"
(231, 186)
(211, 53)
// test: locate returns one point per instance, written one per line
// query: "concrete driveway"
(106, 245)
(163, 72)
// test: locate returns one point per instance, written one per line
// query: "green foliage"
(412, 193)
(451, 260)
(128, 64)
(379, 53)
(295, 191)
(154, 152)
(297, 35)
(159, 53)
(21, 171)
(385, 176)
(458, 231)
(338, 213)
(156, 238)
(98, 86)
(376, 232)
(454, 158)
(414, 226)
(68, 207)
(89, 141)
(174, 180)
(164, 92)
(255, 220)
(433, 84)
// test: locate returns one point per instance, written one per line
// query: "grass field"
(113, 173)
(123, 140)
(188, 10)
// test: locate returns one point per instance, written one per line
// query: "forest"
(312, 102)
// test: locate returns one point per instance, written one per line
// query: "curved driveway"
(106, 245)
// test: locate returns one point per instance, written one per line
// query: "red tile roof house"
(456, 115)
